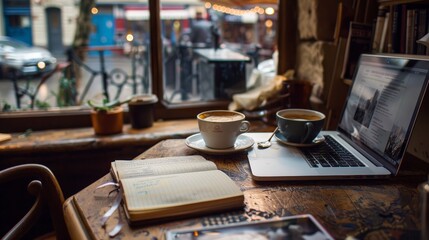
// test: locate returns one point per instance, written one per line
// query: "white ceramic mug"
(220, 128)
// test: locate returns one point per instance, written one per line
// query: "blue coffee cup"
(300, 125)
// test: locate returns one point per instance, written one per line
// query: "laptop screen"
(382, 105)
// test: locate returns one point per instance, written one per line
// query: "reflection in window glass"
(14, 20)
(116, 62)
(133, 31)
(119, 56)
(120, 42)
(16, 3)
(55, 19)
(19, 21)
(210, 50)
(25, 21)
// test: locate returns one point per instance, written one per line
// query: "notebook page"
(161, 166)
(177, 189)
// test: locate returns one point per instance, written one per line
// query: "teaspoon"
(267, 144)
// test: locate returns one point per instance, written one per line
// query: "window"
(208, 52)
(188, 81)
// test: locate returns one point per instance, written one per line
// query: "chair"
(48, 193)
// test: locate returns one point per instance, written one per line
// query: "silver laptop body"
(375, 126)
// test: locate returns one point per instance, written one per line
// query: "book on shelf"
(384, 38)
(358, 42)
(409, 24)
(378, 29)
(163, 188)
(403, 32)
(410, 33)
(422, 30)
(396, 28)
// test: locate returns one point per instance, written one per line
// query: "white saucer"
(319, 139)
(196, 142)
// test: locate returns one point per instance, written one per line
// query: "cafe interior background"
(143, 47)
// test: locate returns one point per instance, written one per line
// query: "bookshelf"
(393, 29)
(356, 31)
(408, 22)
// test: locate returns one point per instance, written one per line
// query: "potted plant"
(107, 117)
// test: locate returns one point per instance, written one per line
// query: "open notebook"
(373, 132)
(173, 187)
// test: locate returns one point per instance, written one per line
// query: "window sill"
(80, 139)
(83, 139)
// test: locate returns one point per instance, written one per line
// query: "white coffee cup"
(220, 128)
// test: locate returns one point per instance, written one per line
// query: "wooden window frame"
(80, 116)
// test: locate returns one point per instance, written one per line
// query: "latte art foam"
(222, 117)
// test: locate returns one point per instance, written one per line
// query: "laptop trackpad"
(278, 160)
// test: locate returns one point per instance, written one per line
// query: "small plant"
(107, 117)
(107, 105)
(6, 107)
(66, 92)
(42, 104)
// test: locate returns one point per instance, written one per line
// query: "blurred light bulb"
(268, 23)
(129, 37)
(269, 11)
(94, 10)
(41, 65)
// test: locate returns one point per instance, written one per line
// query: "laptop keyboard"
(330, 154)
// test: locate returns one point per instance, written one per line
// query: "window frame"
(80, 116)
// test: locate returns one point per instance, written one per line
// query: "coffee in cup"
(220, 128)
(300, 125)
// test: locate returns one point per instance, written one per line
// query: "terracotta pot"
(107, 122)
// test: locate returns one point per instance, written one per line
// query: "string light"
(129, 37)
(268, 23)
(239, 12)
(94, 10)
(269, 11)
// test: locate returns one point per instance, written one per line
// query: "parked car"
(24, 59)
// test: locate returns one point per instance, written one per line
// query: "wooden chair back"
(48, 193)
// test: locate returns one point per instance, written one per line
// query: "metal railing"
(137, 78)
(26, 90)
(117, 77)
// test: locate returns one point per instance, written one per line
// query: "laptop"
(374, 128)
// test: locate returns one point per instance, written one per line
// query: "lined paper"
(161, 166)
(145, 194)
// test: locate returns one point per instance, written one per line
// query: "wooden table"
(365, 209)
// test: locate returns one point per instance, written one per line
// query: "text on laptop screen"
(383, 103)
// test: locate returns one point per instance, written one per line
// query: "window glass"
(14, 21)
(25, 21)
(17, 3)
(115, 63)
(55, 18)
(210, 50)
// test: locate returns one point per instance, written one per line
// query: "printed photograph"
(293, 228)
